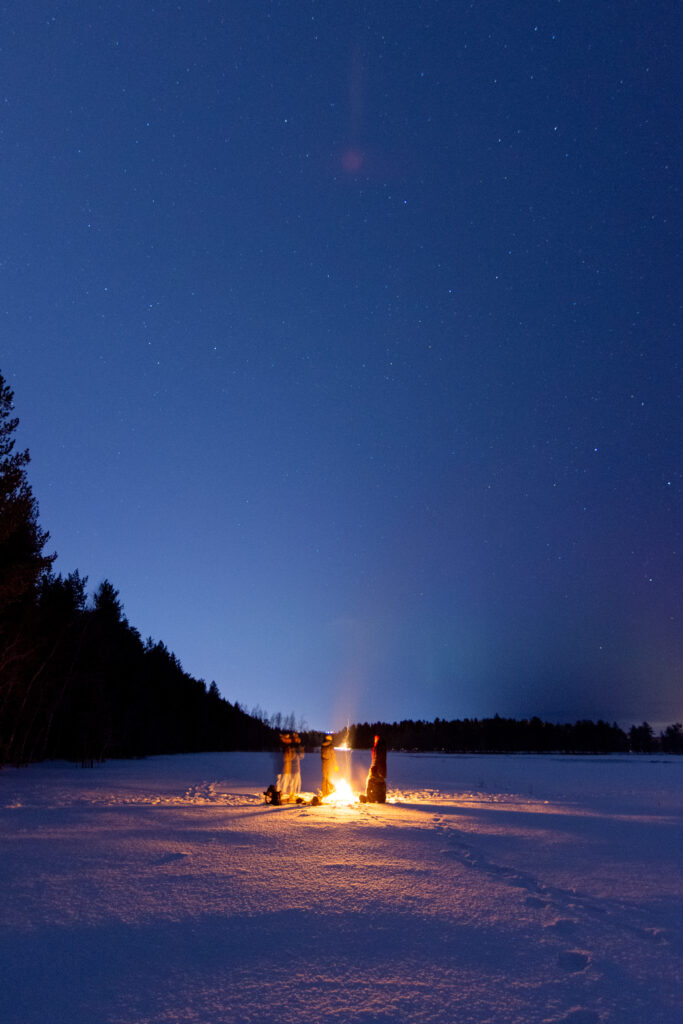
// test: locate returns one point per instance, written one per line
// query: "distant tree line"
(509, 735)
(76, 679)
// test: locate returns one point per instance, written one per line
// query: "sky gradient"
(345, 339)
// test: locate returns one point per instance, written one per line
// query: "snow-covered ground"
(491, 889)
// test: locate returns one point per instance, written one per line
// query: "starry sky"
(345, 339)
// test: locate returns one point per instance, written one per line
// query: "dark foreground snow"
(519, 889)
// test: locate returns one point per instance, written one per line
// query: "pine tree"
(22, 566)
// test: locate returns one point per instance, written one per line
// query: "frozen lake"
(498, 889)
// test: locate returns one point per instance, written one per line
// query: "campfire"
(341, 796)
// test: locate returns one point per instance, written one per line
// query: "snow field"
(521, 889)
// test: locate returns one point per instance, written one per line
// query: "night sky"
(345, 339)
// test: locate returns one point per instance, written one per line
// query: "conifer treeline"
(76, 679)
(90, 688)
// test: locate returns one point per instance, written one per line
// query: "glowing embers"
(341, 796)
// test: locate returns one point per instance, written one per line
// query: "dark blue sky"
(345, 339)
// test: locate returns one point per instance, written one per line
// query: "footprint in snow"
(501, 869)
(577, 1015)
(169, 858)
(573, 960)
(657, 935)
(590, 908)
(464, 856)
(535, 901)
(563, 926)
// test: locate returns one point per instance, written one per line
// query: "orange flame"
(341, 796)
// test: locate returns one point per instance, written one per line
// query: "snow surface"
(491, 889)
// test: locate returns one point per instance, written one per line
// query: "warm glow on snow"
(497, 888)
